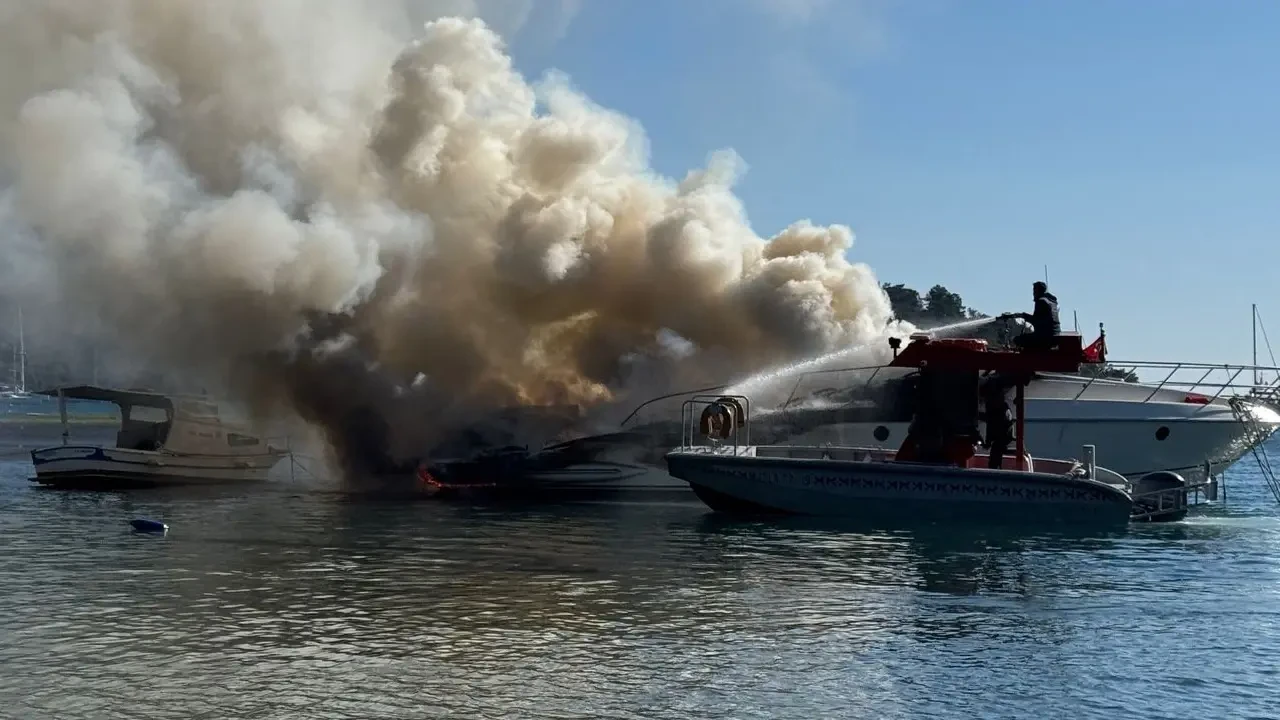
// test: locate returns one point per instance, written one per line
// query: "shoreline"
(15, 419)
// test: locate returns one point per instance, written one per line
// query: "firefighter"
(999, 419)
(1044, 320)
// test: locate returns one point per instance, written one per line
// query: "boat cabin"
(151, 421)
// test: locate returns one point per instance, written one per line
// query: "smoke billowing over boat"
(389, 235)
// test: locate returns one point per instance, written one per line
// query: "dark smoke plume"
(389, 237)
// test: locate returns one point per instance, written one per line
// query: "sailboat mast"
(22, 354)
(1253, 320)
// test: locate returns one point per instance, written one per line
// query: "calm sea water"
(286, 601)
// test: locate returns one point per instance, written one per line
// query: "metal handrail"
(875, 371)
(687, 425)
(1266, 391)
(1269, 392)
(668, 396)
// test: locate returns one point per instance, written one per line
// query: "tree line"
(940, 306)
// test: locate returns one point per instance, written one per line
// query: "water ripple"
(277, 602)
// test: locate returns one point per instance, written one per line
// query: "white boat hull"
(1132, 448)
(90, 466)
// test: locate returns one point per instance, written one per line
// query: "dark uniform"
(999, 419)
(1044, 321)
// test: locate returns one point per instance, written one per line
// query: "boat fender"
(1163, 493)
(149, 526)
(716, 422)
(1158, 481)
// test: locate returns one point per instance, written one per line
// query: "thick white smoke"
(289, 200)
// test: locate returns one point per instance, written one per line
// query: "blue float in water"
(145, 525)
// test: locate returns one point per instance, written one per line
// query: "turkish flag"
(1096, 352)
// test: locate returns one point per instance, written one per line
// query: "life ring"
(717, 422)
(739, 415)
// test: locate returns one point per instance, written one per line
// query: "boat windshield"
(143, 427)
(859, 395)
(848, 395)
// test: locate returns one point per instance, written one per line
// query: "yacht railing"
(1212, 382)
(669, 396)
(874, 369)
(635, 414)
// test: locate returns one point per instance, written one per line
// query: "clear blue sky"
(1132, 146)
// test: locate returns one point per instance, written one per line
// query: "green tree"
(944, 305)
(906, 302)
(939, 305)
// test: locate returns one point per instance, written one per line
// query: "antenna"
(1046, 274)
(1074, 315)
(1253, 320)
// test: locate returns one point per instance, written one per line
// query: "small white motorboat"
(937, 474)
(162, 440)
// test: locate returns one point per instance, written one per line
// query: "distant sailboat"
(19, 389)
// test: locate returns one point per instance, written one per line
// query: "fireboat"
(939, 472)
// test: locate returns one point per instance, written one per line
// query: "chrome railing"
(634, 414)
(1213, 381)
(739, 429)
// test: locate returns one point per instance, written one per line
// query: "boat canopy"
(111, 395)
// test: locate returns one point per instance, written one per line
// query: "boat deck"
(873, 454)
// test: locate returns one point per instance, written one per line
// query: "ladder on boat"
(1256, 436)
(1159, 504)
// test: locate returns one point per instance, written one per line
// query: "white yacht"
(1142, 427)
(162, 440)
(1195, 418)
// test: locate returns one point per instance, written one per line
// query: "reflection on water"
(282, 601)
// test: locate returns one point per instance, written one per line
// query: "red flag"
(1097, 350)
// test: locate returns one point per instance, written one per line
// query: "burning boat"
(1195, 421)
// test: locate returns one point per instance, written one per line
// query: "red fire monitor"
(970, 354)
(967, 357)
